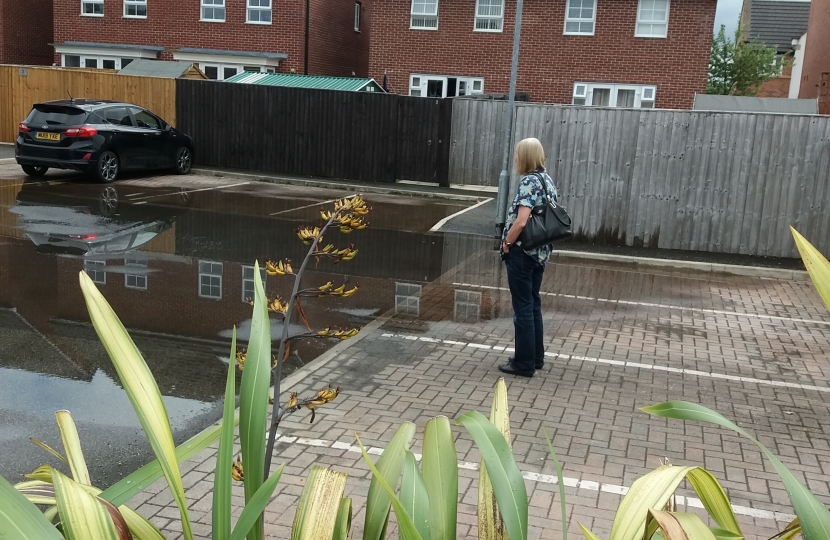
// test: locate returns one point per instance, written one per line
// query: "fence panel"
(24, 86)
(351, 135)
(693, 180)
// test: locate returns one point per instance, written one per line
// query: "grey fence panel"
(709, 181)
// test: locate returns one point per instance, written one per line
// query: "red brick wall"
(775, 88)
(175, 24)
(334, 47)
(25, 32)
(549, 62)
(817, 50)
(780, 86)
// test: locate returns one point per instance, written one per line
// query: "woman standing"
(526, 267)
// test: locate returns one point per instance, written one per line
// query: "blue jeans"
(524, 276)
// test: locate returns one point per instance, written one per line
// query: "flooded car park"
(174, 256)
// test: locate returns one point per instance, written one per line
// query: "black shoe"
(510, 370)
(540, 365)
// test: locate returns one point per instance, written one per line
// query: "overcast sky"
(728, 13)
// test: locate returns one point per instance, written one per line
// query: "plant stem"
(276, 408)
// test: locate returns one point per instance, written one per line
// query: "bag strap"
(544, 186)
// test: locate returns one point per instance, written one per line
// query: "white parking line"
(659, 306)
(446, 219)
(626, 364)
(588, 485)
(303, 207)
(174, 193)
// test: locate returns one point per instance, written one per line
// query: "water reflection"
(177, 268)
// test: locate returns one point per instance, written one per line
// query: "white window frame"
(99, 60)
(250, 280)
(637, 32)
(357, 8)
(470, 300)
(135, 263)
(427, 16)
(580, 20)
(220, 69)
(137, 4)
(84, 3)
(265, 65)
(210, 274)
(479, 18)
(418, 84)
(407, 297)
(644, 96)
(211, 4)
(97, 275)
(259, 9)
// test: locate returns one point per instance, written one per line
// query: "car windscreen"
(56, 115)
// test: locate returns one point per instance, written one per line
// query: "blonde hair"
(530, 156)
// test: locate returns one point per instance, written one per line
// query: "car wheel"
(107, 167)
(108, 203)
(34, 170)
(184, 160)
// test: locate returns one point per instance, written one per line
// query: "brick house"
(25, 39)
(781, 24)
(815, 75)
(630, 53)
(224, 37)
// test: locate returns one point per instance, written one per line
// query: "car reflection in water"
(93, 220)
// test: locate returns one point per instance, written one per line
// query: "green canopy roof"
(349, 84)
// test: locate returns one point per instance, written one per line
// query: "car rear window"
(52, 115)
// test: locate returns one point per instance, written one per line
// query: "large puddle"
(176, 265)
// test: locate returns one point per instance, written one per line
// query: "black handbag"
(548, 223)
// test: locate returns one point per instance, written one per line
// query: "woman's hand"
(504, 247)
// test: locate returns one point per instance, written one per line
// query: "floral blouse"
(532, 194)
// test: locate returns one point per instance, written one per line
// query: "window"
(143, 119)
(210, 280)
(248, 282)
(220, 72)
(614, 95)
(92, 8)
(647, 99)
(407, 299)
(489, 15)
(95, 271)
(357, 17)
(467, 306)
(440, 86)
(580, 16)
(424, 15)
(139, 279)
(213, 10)
(259, 11)
(135, 8)
(652, 18)
(118, 116)
(87, 61)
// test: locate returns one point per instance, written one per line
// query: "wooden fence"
(717, 182)
(23, 86)
(351, 135)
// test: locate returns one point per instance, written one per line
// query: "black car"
(99, 136)
(94, 220)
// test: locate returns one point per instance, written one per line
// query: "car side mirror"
(167, 127)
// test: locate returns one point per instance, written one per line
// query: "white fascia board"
(105, 51)
(225, 59)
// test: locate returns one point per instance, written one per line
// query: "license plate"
(48, 136)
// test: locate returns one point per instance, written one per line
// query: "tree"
(739, 67)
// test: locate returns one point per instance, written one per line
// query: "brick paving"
(618, 340)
